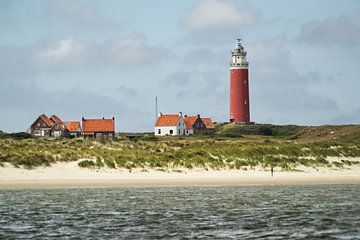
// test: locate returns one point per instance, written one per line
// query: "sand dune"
(68, 174)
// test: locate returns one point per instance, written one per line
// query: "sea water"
(198, 212)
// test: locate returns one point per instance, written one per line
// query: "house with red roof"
(41, 127)
(170, 124)
(58, 128)
(73, 129)
(98, 128)
(194, 124)
(209, 124)
(53, 126)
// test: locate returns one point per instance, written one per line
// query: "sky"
(111, 58)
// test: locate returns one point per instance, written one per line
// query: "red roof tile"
(72, 126)
(98, 125)
(56, 119)
(208, 123)
(46, 119)
(167, 120)
(189, 121)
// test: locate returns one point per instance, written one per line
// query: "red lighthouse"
(239, 86)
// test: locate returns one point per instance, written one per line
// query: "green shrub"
(86, 164)
(110, 163)
(99, 162)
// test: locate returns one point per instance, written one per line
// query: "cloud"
(84, 15)
(62, 48)
(216, 14)
(216, 20)
(70, 54)
(280, 93)
(334, 31)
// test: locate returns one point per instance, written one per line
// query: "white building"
(170, 124)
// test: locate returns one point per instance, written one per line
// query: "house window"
(179, 131)
(98, 135)
(171, 131)
(110, 135)
(37, 132)
(159, 131)
(38, 124)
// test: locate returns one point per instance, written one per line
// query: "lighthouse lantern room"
(239, 86)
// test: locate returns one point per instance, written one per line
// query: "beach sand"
(68, 174)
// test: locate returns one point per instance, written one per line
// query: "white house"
(170, 124)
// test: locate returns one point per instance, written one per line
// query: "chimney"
(160, 114)
(103, 118)
(83, 119)
(185, 115)
(113, 118)
(198, 115)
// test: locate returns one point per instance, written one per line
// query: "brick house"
(58, 128)
(41, 127)
(98, 128)
(54, 127)
(194, 124)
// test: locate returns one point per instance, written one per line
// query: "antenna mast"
(156, 108)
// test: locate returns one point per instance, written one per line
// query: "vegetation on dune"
(205, 152)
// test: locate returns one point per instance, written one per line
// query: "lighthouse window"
(245, 81)
(245, 102)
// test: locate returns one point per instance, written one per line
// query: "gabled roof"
(98, 125)
(46, 119)
(167, 120)
(57, 120)
(208, 123)
(72, 126)
(189, 121)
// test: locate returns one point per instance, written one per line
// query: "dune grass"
(177, 153)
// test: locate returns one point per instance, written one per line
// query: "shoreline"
(69, 175)
(44, 184)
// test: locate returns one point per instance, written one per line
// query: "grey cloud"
(336, 31)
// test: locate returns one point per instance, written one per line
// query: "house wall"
(189, 131)
(199, 126)
(100, 135)
(40, 128)
(179, 129)
(57, 131)
(165, 130)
